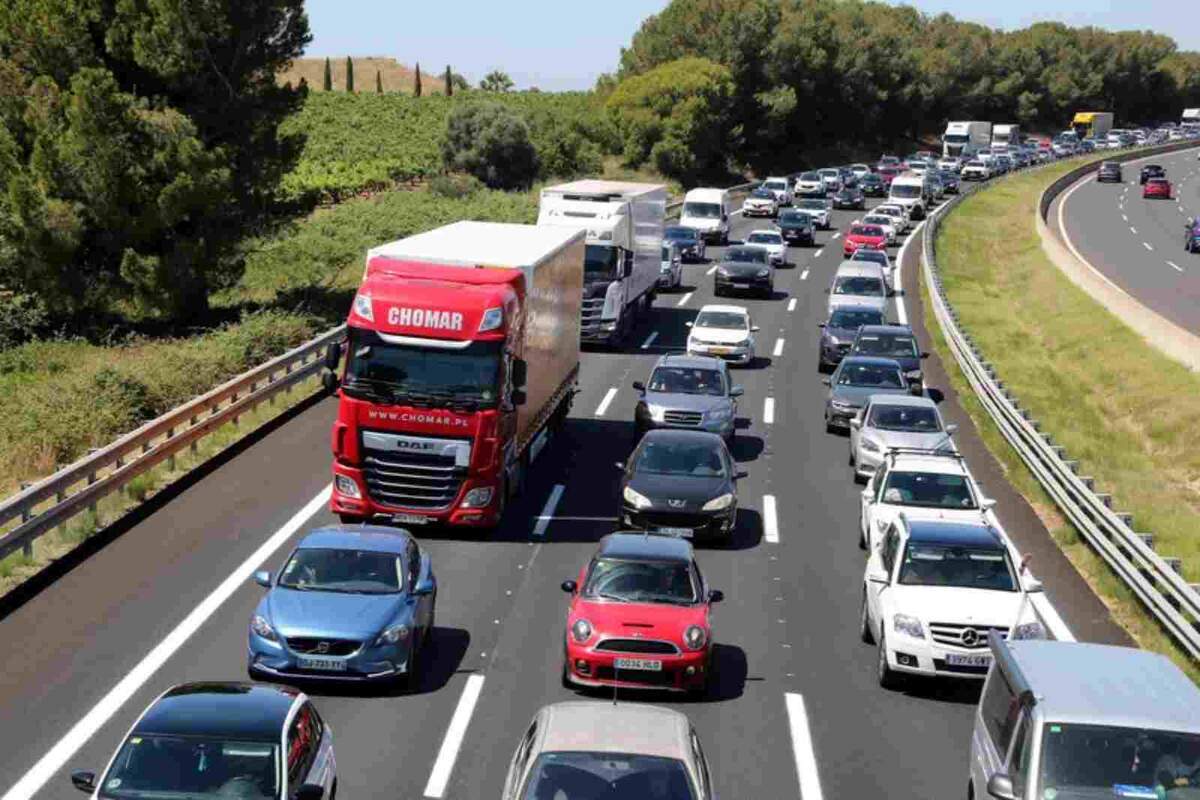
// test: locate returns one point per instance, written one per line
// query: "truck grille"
(592, 313)
(333, 647)
(951, 633)
(682, 417)
(637, 646)
(411, 480)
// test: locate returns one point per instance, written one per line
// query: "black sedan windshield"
(667, 457)
(813, 205)
(857, 374)
(347, 571)
(637, 581)
(607, 776)
(746, 254)
(886, 344)
(927, 564)
(157, 766)
(686, 380)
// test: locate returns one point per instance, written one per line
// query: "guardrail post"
(26, 515)
(192, 424)
(91, 479)
(233, 401)
(171, 458)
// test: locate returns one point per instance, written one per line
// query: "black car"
(872, 185)
(796, 227)
(949, 180)
(1152, 171)
(744, 268)
(837, 334)
(896, 342)
(848, 176)
(682, 483)
(1109, 172)
(849, 197)
(691, 243)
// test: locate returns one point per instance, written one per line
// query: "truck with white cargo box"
(622, 254)
(1006, 135)
(965, 139)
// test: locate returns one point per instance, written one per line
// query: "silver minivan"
(1071, 720)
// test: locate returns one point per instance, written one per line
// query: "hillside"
(396, 76)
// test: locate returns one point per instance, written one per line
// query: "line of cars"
(1156, 185)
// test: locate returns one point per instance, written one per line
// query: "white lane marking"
(802, 748)
(1133, 230)
(543, 521)
(448, 754)
(897, 281)
(1049, 615)
(650, 339)
(818, 253)
(769, 411)
(83, 730)
(792, 302)
(770, 522)
(1148, 246)
(711, 270)
(835, 235)
(778, 351)
(608, 398)
(683, 300)
(1125, 217)
(1174, 265)
(803, 277)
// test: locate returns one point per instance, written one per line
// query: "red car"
(1157, 187)
(872, 237)
(639, 617)
(887, 174)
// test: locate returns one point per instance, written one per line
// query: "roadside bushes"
(489, 141)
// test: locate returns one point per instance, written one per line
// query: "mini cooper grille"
(637, 646)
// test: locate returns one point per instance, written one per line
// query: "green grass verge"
(1113, 401)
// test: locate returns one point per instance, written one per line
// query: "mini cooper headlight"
(581, 631)
(695, 637)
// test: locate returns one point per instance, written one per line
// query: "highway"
(796, 711)
(1138, 243)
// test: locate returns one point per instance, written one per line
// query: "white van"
(910, 193)
(707, 210)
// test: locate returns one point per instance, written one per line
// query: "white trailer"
(965, 139)
(1006, 135)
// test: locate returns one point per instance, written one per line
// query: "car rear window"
(866, 230)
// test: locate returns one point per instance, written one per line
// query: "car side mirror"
(263, 578)
(333, 354)
(741, 473)
(737, 391)
(330, 381)
(84, 781)
(924, 354)
(569, 587)
(951, 428)
(987, 504)
(310, 791)
(820, 324)
(520, 373)
(754, 329)
(856, 423)
(688, 324)
(826, 381)
(716, 596)
(1000, 786)
(639, 386)
(424, 586)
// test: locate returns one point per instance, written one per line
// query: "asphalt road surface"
(1137, 243)
(796, 710)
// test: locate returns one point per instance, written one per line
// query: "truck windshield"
(600, 263)
(957, 138)
(385, 372)
(702, 210)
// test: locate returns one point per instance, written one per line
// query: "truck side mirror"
(519, 398)
(332, 356)
(520, 373)
(330, 381)
(1000, 786)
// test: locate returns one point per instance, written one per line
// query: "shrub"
(455, 186)
(492, 143)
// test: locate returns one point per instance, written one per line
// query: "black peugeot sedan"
(233, 740)
(745, 268)
(796, 227)
(1152, 171)
(850, 197)
(681, 483)
(872, 185)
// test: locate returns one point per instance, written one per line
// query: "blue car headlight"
(262, 628)
(393, 635)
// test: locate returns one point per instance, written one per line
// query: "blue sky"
(565, 44)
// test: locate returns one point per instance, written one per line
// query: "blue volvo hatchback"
(351, 603)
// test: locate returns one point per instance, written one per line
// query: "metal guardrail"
(54, 500)
(1156, 583)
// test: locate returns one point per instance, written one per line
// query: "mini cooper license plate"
(685, 532)
(980, 660)
(327, 664)
(644, 664)
(409, 519)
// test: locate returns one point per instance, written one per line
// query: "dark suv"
(1109, 172)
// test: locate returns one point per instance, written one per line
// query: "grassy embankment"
(1126, 412)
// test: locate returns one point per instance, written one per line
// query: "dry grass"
(396, 77)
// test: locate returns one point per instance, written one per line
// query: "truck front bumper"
(343, 501)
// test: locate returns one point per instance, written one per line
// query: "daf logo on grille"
(322, 647)
(970, 637)
(677, 503)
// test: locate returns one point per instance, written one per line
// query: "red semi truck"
(462, 357)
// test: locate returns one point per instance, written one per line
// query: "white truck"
(965, 139)
(624, 235)
(1006, 135)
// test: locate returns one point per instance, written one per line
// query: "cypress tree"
(449, 82)
(417, 82)
(378, 83)
(327, 85)
(349, 75)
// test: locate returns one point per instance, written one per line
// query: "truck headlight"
(262, 628)
(581, 630)
(695, 637)
(346, 485)
(635, 498)
(362, 306)
(909, 626)
(719, 503)
(394, 634)
(479, 497)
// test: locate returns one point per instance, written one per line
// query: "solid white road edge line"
(543, 521)
(650, 339)
(769, 411)
(683, 300)
(608, 398)
(111, 703)
(770, 520)
(778, 351)
(792, 302)
(802, 748)
(1046, 611)
(455, 733)
(897, 279)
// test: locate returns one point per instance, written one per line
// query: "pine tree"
(449, 81)
(349, 75)
(378, 83)
(328, 83)
(417, 82)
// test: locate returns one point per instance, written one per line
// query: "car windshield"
(814, 205)
(810, 176)
(830, 173)
(763, 193)
(905, 190)
(886, 344)
(794, 218)
(881, 219)
(607, 776)
(687, 380)
(1108, 761)
(752, 254)
(904, 419)
(873, 231)
(676, 457)
(779, 186)
(730, 320)
(853, 318)
(666, 252)
(396, 373)
(1157, 182)
(928, 490)
(974, 163)
(345, 571)
(702, 210)
(763, 237)
(889, 160)
(638, 581)
(928, 564)
(858, 284)
(156, 766)
(680, 233)
(870, 177)
(855, 373)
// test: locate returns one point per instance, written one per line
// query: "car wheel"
(865, 623)
(888, 677)
(412, 678)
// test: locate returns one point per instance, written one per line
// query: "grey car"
(689, 392)
(893, 421)
(838, 332)
(670, 273)
(896, 342)
(855, 380)
(745, 268)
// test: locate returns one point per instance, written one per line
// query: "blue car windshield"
(607, 776)
(157, 766)
(346, 571)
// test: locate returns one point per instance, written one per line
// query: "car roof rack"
(927, 451)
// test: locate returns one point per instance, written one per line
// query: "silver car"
(893, 421)
(854, 382)
(690, 392)
(670, 273)
(820, 209)
(599, 749)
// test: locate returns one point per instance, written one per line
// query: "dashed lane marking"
(1148, 246)
(604, 404)
(778, 351)
(803, 277)
(650, 339)
(818, 253)
(802, 748)
(455, 733)
(770, 521)
(769, 411)
(1175, 266)
(548, 510)
(711, 270)
(792, 303)
(683, 300)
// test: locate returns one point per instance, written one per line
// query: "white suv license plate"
(981, 660)
(643, 664)
(410, 519)
(327, 664)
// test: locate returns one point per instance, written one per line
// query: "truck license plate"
(410, 519)
(980, 660)
(327, 664)
(644, 664)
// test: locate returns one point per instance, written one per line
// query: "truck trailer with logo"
(965, 139)
(624, 226)
(462, 358)
(1092, 124)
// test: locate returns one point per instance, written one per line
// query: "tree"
(349, 75)
(496, 81)
(449, 80)
(378, 83)
(327, 85)
(417, 81)
(489, 141)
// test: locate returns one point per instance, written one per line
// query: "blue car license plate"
(325, 664)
